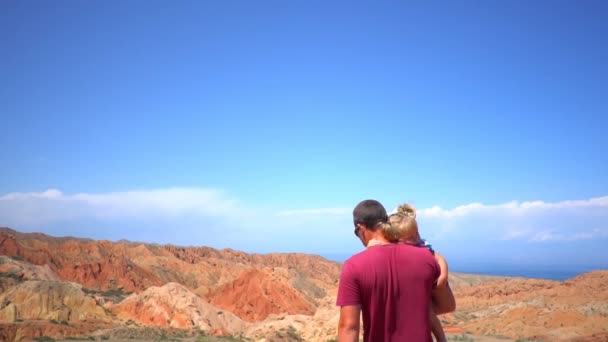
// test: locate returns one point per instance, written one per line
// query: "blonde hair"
(402, 225)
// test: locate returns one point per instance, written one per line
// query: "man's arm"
(348, 328)
(443, 299)
(436, 327)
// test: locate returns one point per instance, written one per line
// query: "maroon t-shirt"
(393, 284)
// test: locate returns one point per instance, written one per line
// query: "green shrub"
(201, 337)
(292, 334)
(502, 337)
(463, 337)
(44, 339)
(115, 295)
(16, 257)
(11, 274)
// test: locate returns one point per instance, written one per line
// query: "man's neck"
(376, 238)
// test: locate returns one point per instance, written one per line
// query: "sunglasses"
(356, 230)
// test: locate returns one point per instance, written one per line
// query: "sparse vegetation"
(301, 283)
(201, 336)
(204, 338)
(16, 257)
(292, 334)
(44, 339)
(287, 334)
(462, 337)
(12, 275)
(88, 338)
(165, 337)
(114, 295)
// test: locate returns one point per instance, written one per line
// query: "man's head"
(368, 215)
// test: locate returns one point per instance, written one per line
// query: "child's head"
(403, 226)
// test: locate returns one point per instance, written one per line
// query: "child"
(403, 227)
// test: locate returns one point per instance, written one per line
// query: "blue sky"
(260, 125)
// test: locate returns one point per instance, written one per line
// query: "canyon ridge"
(55, 288)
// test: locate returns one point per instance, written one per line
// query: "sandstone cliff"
(174, 305)
(48, 300)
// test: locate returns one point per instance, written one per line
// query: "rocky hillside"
(537, 309)
(104, 265)
(68, 287)
(174, 305)
(256, 293)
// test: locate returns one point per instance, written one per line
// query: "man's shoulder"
(382, 252)
(356, 257)
(362, 259)
(421, 248)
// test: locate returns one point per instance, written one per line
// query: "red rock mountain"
(221, 276)
(255, 294)
(531, 308)
(69, 287)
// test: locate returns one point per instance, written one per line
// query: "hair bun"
(406, 209)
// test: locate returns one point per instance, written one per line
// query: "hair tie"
(406, 214)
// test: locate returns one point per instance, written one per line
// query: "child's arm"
(436, 327)
(443, 297)
(443, 266)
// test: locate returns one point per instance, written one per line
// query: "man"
(391, 284)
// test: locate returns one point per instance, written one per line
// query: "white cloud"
(53, 205)
(552, 235)
(16, 196)
(216, 218)
(315, 212)
(515, 233)
(513, 207)
(535, 221)
(185, 216)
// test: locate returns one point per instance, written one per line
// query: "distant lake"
(551, 272)
(541, 272)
